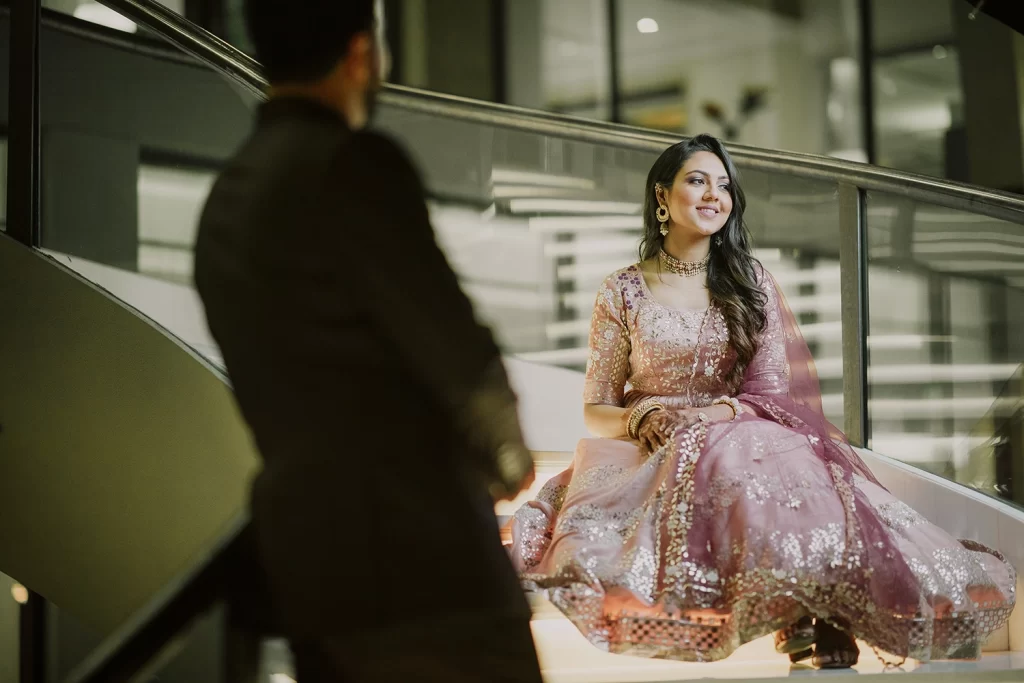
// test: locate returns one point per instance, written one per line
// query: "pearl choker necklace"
(685, 268)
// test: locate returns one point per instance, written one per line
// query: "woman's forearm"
(605, 421)
(719, 413)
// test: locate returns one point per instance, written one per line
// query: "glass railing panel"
(993, 463)
(5, 43)
(533, 223)
(133, 134)
(10, 591)
(946, 309)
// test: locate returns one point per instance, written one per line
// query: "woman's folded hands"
(657, 427)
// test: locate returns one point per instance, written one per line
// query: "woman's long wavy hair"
(732, 268)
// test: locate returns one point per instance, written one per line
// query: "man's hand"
(501, 493)
(515, 472)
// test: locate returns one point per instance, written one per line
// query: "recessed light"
(647, 25)
(939, 52)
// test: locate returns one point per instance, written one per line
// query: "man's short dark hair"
(302, 40)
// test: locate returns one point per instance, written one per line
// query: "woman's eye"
(697, 181)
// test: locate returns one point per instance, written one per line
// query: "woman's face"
(698, 202)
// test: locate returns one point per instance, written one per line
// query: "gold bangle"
(635, 418)
(641, 410)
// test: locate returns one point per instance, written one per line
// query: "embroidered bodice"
(662, 351)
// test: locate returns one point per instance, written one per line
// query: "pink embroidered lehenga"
(733, 530)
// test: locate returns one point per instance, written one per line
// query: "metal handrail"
(194, 40)
(240, 67)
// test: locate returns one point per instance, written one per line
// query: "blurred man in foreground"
(379, 405)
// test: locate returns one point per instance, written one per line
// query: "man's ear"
(360, 61)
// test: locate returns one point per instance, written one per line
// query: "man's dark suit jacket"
(352, 351)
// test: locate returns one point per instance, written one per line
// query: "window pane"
(576, 54)
(918, 99)
(784, 77)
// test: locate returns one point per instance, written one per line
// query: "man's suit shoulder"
(370, 152)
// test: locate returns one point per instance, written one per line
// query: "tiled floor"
(566, 657)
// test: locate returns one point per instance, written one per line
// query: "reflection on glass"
(994, 462)
(533, 224)
(170, 202)
(575, 66)
(131, 142)
(97, 13)
(778, 75)
(945, 351)
(918, 108)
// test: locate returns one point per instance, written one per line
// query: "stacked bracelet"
(731, 402)
(641, 410)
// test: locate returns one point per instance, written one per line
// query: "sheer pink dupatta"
(781, 381)
(781, 384)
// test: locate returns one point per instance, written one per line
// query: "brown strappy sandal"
(834, 648)
(796, 639)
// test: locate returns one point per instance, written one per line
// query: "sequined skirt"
(734, 530)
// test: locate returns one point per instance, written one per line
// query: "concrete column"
(415, 72)
(524, 63)
(459, 52)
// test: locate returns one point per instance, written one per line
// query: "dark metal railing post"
(23, 225)
(853, 277)
(614, 61)
(242, 650)
(23, 123)
(499, 50)
(866, 19)
(33, 637)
